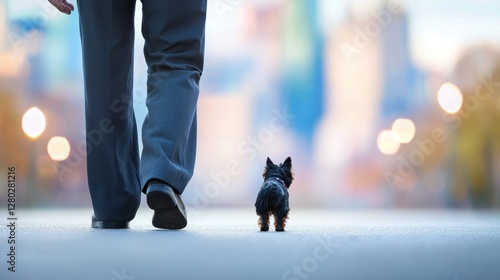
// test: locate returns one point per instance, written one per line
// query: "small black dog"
(273, 195)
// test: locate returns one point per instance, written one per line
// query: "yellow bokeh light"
(450, 98)
(404, 130)
(58, 148)
(387, 143)
(33, 122)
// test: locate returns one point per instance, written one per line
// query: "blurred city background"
(380, 104)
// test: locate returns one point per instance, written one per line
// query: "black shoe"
(108, 224)
(170, 212)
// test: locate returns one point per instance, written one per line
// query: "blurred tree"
(12, 139)
(477, 133)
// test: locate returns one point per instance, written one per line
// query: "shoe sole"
(109, 225)
(168, 214)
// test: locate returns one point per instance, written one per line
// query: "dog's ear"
(269, 162)
(288, 163)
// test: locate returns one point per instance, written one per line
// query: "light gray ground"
(226, 244)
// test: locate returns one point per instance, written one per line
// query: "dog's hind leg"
(280, 220)
(264, 222)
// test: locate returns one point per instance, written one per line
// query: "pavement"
(226, 244)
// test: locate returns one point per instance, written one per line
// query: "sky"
(438, 29)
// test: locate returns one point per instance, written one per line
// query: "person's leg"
(174, 46)
(107, 34)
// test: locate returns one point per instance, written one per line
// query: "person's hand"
(63, 6)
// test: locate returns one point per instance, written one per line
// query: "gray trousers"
(174, 47)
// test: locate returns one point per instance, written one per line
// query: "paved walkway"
(225, 244)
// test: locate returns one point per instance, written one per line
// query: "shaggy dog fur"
(273, 195)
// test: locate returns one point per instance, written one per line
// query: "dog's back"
(272, 196)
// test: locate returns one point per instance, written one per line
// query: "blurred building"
(314, 80)
(402, 82)
(303, 67)
(353, 86)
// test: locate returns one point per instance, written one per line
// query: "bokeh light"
(58, 148)
(404, 130)
(321, 93)
(33, 122)
(387, 143)
(450, 98)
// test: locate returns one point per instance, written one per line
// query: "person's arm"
(63, 6)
